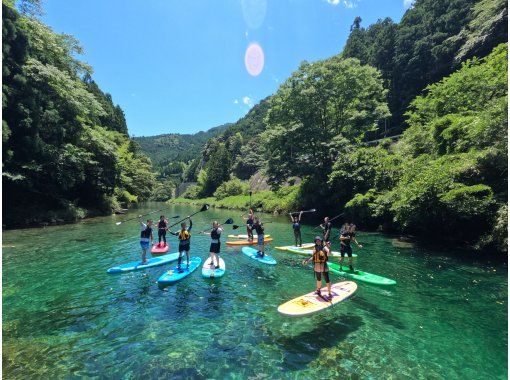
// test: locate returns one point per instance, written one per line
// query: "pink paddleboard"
(155, 250)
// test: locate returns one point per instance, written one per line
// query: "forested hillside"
(440, 75)
(66, 152)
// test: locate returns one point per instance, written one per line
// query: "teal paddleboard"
(174, 274)
(360, 275)
(252, 254)
(137, 265)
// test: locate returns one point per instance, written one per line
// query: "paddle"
(228, 221)
(297, 212)
(235, 226)
(204, 208)
(139, 216)
(336, 217)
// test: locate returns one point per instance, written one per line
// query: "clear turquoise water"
(65, 317)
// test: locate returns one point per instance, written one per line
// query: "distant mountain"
(174, 147)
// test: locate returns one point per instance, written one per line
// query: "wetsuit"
(297, 232)
(162, 231)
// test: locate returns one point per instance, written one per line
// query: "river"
(64, 316)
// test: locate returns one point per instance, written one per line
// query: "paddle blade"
(205, 207)
(229, 221)
(118, 223)
(234, 227)
(312, 210)
(176, 216)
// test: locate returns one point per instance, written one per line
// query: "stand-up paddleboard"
(210, 271)
(312, 302)
(360, 275)
(137, 265)
(252, 254)
(174, 274)
(246, 242)
(308, 252)
(303, 246)
(159, 249)
(245, 236)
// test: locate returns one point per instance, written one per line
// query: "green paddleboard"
(360, 275)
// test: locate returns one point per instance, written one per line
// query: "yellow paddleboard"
(246, 242)
(245, 236)
(312, 303)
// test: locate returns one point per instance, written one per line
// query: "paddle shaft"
(139, 216)
(189, 216)
(336, 217)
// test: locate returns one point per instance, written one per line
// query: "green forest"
(405, 131)
(66, 149)
(436, 83)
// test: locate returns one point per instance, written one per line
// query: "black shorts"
(326, 276)
(346, 249)
(215, 248)
(184, 247)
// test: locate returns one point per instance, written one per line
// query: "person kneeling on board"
(162, 228)
(320, 264)
(214, 250)
(145, 238)
(184, 236)
(258, 226)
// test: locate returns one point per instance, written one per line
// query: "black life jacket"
(161, 224)
(215, 234)
(146, 233)
(259, 228)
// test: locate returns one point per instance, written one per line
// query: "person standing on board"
(258, 226)
(145, 238)
(320, 264)
(214, 250)
(184, 236)
(326, 229)
(348, 234)
(296, 226)
(162, 228)
(249, 225)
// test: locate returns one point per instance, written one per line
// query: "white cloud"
(236, 101)
(346, 3)
(408, 3)
(248, 101)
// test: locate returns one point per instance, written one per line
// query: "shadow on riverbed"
(376, 312)
(299, 350)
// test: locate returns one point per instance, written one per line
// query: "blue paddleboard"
(137, 265)
(252, 254)
(173, 275)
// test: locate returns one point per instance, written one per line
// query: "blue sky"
(178, 66)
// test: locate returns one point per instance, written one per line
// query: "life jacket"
(258, 228)
(319, 255)
(296, 225)
(249, 221)
(184, 235)
(146, 234)
(162, 224)
(215, 234)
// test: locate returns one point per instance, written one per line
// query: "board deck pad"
(137, 265)
(173, 275)
(252, 254)
(209, 271)
(360, 275)
(311, 302)
(246, 242)
(155, 250)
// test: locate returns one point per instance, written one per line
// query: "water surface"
(64, 316)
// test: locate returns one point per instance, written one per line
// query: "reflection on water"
(63, 316)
